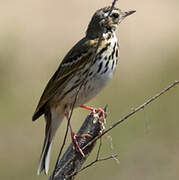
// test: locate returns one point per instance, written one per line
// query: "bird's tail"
(45, 156)
(52, 123)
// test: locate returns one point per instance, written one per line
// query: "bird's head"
(102, 21)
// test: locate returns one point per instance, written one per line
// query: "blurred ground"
(35, 36)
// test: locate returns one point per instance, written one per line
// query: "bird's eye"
(115, 15)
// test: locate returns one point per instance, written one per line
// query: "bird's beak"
(124, 14)
(127, 13)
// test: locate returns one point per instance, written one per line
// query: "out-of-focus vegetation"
(34, 37)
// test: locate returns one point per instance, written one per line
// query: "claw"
(75, 142)
(95, 111)
(74, 138)
(103, 114)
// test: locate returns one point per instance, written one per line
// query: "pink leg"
(74, 137)
(94, 111)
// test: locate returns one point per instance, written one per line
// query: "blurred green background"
(35, 36)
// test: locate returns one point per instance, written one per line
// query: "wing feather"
(76, 58)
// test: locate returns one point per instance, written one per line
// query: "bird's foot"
(95, 111)
(74, 137)
(76, 146)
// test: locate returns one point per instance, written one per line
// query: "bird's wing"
(76, 58)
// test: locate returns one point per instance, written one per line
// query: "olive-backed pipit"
(59, 94)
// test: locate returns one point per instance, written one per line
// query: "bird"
(87, 68)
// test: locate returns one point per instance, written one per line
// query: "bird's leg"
(94, 111)
(74, 137)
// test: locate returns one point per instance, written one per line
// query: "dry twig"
(99, 159)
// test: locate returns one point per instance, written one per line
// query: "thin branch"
(97, 157)
(142, 106)
(99, 149)
(99, 160)
(112, 7)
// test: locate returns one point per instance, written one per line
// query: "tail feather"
(45, 156)
(53, 120)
